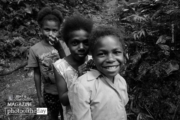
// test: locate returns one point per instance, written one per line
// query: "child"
(75, 33)
(101, 94)
(41, 57)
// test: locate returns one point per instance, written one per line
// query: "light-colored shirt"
(94, 97)
(70, 75)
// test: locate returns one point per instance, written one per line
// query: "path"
(107, 14)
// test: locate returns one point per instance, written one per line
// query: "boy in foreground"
(102, 94)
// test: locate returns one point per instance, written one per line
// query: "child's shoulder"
(89, 77)
(37, 45)
(86, 81)
(120, 79)
(60, 63)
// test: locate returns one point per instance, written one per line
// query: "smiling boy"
(102, 94)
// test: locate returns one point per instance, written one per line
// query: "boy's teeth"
(111, 68)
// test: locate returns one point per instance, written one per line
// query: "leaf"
(138, 34)
(141, 33)
(169, 11)
(143, 116)
(135, 17)
(19, 40)
(138, 18)
(28, 9)
(135, 58)
(18, 1)
(135, 35)
(144, 67)
(164, 47)
(124, 9)
(172, 107)
(160, 40)
(173, 66)
(163, 39)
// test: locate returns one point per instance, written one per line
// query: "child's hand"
(82, 69)
(91, 65)
(41, 102)
(54, 41)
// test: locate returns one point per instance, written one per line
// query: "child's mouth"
(81, 54)
(111, 68)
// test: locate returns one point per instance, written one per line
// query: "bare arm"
(62, 88)
(60, 51)
(37, 80)
(55, 42)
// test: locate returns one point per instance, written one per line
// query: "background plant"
(151, 27)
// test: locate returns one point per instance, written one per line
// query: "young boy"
(41, 57)
(101, 94)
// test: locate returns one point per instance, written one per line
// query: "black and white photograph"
(89, 60)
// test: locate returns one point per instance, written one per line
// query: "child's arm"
(62, 88)
(126, 96)
(37, 80)
(60, 51)
(33, 63)
(80, 101)
(55, 42)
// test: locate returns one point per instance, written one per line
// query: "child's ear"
(40, 29)
(40, 32)
(126, 58)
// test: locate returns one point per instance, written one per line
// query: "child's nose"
(110, 58)
(81, 46)
(51, 32)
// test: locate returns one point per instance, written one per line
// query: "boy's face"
(50, 28)
(78, 44)
(108, 56)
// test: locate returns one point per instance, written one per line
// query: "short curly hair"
(73, 23)
(49, 13)
(102, 31)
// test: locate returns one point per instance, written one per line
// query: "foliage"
(152, 73)
(18, 26)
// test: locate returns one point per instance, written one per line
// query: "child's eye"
(117, 52)
(86, 43)
(46, 29)
(74, 43)
(55, 30)
(100, 54)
